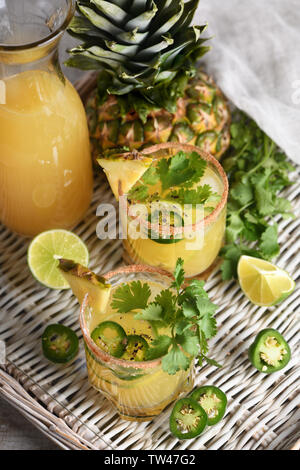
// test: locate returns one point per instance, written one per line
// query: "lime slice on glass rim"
(263, 282)
(47, 248)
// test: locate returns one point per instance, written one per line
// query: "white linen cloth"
(255, 59)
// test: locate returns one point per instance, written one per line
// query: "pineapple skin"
(202, 118)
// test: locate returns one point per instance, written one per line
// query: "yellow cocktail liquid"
(138, 394)
(45, 165)
(197, 253)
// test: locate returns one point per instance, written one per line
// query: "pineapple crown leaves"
(140, 44)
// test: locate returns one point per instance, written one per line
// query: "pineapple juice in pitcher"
(45, 166)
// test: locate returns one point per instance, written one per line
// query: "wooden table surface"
(16, 433)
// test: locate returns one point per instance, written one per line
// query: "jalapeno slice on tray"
(59, 343)
(110, 337)
(188, 419)
(213, 401)
(136, 348)
(269, 352)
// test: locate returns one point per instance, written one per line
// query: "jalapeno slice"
(269, 352)
(136, 348)
(188, 419)
(213, 401)
(110, 337)
(160, 218)
(60, 343)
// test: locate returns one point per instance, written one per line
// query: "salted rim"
(42, 42)
(210, 218)
(103, 356)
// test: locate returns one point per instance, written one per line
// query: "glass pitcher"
(45, 164)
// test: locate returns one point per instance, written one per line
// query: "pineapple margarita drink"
(117, 343)
(175, 207)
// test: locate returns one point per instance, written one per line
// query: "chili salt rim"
(210, 218)
(99, 353)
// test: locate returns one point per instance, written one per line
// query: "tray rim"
(13, 391)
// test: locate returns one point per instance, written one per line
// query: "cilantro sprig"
(177, 175)
(257, 172)
(185, 311)
(181, 170)
(200, 195)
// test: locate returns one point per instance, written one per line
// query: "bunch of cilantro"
(186, 312)
(257, 172)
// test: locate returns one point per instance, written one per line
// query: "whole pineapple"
(149, 90)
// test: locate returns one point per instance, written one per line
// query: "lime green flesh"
(47, 248)
(263, 282)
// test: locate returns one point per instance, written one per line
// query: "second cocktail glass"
(139, 390)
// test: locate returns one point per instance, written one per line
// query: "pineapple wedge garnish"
(84, 281)
(124, 170)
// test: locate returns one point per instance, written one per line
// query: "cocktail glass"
(201, 241)
(139, 390)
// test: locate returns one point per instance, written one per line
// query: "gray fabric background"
(256, 61)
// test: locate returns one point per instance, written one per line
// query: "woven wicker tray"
(263, 411)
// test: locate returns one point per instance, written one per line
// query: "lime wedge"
(262, 282)
(45, 251)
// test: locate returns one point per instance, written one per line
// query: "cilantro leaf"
(151, 176)
(264, 201)
(153, 312)
(175, 360)
(178, 274)
(183, 325)
(159, 347)
(205, 306)
(131, 296)
(138, 193)
(211, 362)
(234, 227)
(208, 325)
(228, 269)
(181, 169)
(189, 309)
(200, 195)
(268, 245)
(189, 343)
(243, 193)
(194, 290)
(203, 342)
(167, 301)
